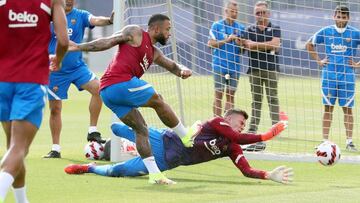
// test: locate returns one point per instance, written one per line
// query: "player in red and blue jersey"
(74, 71)
(338, 73)
(215, 138)
(122, 90)
(24, 60)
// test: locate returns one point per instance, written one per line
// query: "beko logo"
(23, 19)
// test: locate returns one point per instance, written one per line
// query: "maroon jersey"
(25, 36)
(214, 139)
(129, 62)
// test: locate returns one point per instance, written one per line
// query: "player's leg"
(346, 96)
(115, 97)
(26, 113)
(84, 79)
(57, 91)
(271, 88)
(231, 89)
(219, 85)
(329, 95)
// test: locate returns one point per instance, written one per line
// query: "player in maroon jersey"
(215, 138)
(24, 59)
(123, 91)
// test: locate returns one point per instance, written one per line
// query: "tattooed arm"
(125, 35)
(170, 65)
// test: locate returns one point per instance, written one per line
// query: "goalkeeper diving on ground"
(216, 138)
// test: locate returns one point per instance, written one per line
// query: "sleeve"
(242, 164)
(86, 16)
(214, 32)
(223, 129)
(277, 32)
(318, 37)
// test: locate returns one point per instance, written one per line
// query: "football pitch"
(215, 181)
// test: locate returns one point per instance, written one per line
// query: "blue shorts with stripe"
(136, 166)
(59, 82)
(342, 90)
(22, 101)
(124, 96)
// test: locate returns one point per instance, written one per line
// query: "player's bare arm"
(60, 27)
(129, 34)
(213, 43)
(310, 47)
(102, 20)
(273, 45)
(176, 69)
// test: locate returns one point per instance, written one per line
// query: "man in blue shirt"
(74, 71)
(338, 74)
(225, 42)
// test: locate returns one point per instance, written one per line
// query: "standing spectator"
(74, 71)
(225, 41)
(24, 70)
(262, 43)
(338, 74)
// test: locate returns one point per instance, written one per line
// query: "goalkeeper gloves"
(281, 174)
(274, 130)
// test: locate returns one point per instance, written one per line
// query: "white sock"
(92, 129)
(56, 147)
(20, 195)
(6, 180)
(349, 140)
(151, 165)
(180, 130)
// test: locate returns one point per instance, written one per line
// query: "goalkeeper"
(215, 138)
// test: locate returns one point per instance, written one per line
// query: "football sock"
(348, 141)
(56, 147)
(100, 170)
(180, 130)
(92, 129)
(6, 180)
(151, 165)
(20, 195)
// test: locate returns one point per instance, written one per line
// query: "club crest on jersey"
(22, 19)
(73, 21)
(145, 63)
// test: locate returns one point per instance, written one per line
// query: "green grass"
(216, 181)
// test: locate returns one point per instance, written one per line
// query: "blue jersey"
(77, 21)
(226, 58)
(339, 48)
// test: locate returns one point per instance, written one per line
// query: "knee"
(55, 110)
(157, 101)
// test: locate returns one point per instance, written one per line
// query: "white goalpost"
(299, 84)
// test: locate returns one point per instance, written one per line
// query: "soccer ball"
(328, 153)
(94, 151)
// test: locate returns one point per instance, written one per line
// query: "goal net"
(299, 83)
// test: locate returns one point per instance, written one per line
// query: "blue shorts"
(221, 82)
(124, 96)
(341, 90)
(59, 83)
(135, 166)
(22, 101)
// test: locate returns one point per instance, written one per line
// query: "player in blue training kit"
(224, 39)
(216, 138)
(338, 73)
(74, 71)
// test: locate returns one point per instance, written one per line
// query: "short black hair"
(157, 18)
(342, 9)
(236, 111)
